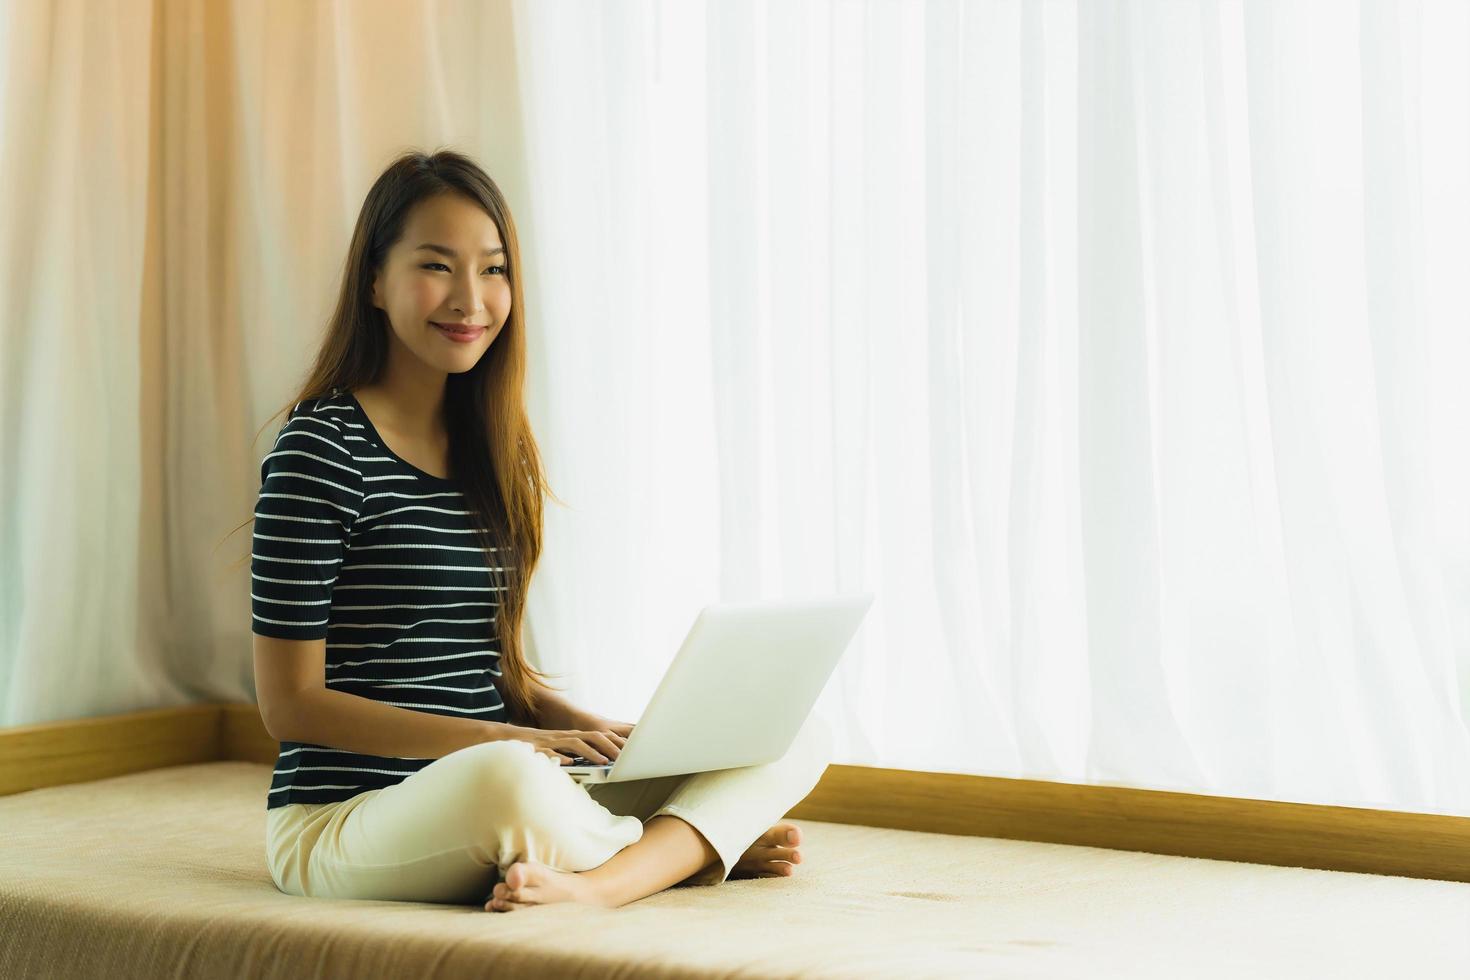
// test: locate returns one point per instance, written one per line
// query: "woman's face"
(448, 267)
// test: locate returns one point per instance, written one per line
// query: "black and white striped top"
(357, 545)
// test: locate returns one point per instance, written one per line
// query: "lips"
(460, 330)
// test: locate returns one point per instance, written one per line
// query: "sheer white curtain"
(1117, 347)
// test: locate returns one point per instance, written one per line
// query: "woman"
(399, 524)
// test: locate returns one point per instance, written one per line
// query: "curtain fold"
(1118, 347)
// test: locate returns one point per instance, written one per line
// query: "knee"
(526, 807)
(511, 776)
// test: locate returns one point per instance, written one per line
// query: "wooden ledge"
(1304, 835)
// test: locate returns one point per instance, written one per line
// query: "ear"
(376, 300)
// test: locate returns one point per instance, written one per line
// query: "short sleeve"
(311, 492)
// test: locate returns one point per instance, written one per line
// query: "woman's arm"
(558, 714)
(554, 711)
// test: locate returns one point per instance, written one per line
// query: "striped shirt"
(358, 546)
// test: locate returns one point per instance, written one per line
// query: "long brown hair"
(492, 453)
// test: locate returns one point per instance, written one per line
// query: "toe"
(777, 853)
(515, 878)
(773, 869)
(780, 834)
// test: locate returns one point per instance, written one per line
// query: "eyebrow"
(451, 253)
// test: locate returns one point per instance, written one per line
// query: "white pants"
(444, 833)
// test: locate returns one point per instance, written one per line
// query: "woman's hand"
(588, 735)
(615, 732)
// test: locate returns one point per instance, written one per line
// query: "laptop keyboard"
(580, 761)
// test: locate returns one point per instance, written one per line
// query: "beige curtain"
(179, 180)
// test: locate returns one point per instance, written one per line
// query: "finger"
(564, 744)
(586, 751)
(604, 744)
(599, 743)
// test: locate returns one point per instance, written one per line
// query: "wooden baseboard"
(1332, 838)
(80, 750)
(243, 736)
(1297, 835)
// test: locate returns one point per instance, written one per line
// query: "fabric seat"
(162, 873)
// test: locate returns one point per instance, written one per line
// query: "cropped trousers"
(448, 832)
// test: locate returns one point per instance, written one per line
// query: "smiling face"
(448, 267)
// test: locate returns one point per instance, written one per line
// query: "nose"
(465, 300)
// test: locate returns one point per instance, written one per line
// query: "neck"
(410, 398)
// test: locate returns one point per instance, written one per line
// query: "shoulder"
(321, 420)
(314, 438)
(329, 413)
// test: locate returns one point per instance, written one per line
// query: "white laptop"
(739, 689)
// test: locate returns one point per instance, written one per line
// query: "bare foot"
(530, 883)
(774, 855)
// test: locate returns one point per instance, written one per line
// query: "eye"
(430, 265)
